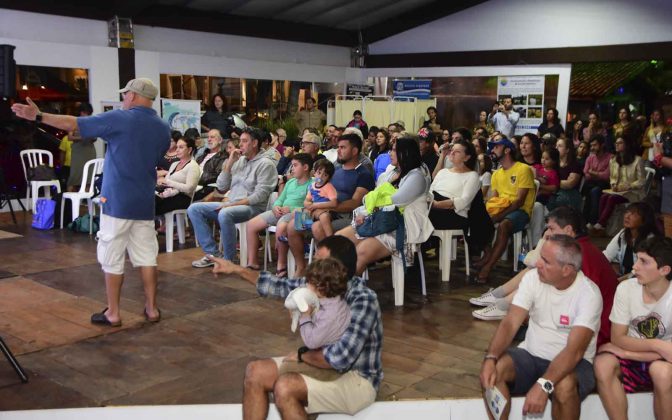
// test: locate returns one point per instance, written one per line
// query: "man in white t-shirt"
(639, 357)
(555, 360)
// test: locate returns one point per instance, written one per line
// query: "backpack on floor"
(81, 224)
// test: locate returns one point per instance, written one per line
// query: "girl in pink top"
(547, 175)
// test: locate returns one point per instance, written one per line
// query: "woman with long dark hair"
(639, 223)
(626, 177)
(412, 180)
(653, 134)
(216, 116)
(570, 174)
(380, 144)
(529, 151)
(174, 191)
(551, 124)
(382, 159)
(627, 129)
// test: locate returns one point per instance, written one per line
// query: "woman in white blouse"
(454, 189)
(174, 191)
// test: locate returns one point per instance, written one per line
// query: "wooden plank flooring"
(50, 283)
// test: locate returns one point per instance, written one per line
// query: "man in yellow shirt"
(515, 182)
(66, 158)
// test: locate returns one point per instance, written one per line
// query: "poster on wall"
(181, 114)
(359, 89)
(414, 88)
(110, 105)
(527, 93)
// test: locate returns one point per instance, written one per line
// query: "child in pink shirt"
(547, 175)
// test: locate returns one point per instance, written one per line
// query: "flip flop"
(101, 319)
(281, 272)
(150, 319)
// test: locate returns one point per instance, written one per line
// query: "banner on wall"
(110, 105)
(415, 88)
(181, 114)
(527, 93)
(362, 90)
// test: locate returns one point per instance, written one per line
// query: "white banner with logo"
(527, 94)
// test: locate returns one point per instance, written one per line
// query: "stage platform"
(50, 283)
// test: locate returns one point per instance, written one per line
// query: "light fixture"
(42, 87)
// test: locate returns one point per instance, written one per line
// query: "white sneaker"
(486, 299)
(202, 263)
(491, 313)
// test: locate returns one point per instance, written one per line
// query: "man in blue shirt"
(342, 377)
(352, 181)
(136, 139)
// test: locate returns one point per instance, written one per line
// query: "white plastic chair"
(448, 250)
(86, 190)
(179, 218)
(33, 158)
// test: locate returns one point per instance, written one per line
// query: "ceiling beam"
(416, 17)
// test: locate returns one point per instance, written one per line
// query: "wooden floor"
(50, 283)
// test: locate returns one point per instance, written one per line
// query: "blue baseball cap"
(504, 142)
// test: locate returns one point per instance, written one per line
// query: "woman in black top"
(216, 116)
(551, 124)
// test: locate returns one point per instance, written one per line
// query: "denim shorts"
(529, 368)
(519, 219)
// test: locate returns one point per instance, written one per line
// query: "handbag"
(379, 222)
(41, 173)
(82, 224)
(45, 210)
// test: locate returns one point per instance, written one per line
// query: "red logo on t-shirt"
(564, 319)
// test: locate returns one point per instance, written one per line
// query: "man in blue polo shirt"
(136, 139)
(352, 181)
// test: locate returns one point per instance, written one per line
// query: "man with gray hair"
(555, 359)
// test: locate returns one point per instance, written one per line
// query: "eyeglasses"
(307, 142)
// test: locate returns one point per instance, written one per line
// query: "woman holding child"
(411, 181)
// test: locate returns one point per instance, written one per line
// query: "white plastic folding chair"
(448, 250)
(177, 218)
(86, 190)
(30, 158)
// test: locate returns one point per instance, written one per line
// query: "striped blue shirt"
(361, 345)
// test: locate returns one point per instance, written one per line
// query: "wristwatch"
(38, 117)
(299, 353)
(546, 385)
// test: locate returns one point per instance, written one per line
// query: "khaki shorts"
(116, 236)
(330, 391)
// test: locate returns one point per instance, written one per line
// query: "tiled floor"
(50, 283)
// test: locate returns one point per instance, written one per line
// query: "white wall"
(524, 24)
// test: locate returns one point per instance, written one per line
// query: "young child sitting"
(547, 175)
(321, 197)
(639, 356)
(328, 279)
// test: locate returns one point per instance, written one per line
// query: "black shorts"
(529, 368)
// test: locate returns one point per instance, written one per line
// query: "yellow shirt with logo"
(507, 182)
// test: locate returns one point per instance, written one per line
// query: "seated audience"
(596, 172)
(594, 128)
(211, 163)
(321, 197)
(653, 134)
(454, 189)
(627, 179)
(485, 175)
(565, 221)
(363, 159)
(174, 191)
(556, 357)
(663, 162)
(627, 130)
(249, 176)
(380, 153)
(282, 213)
(639, 224)
(513, 191)
(370, 141)
(426, 143)
(171, 155)
(412, 183)
(582, 152)
(547, 175)
(432, 122)
(352, 181)
(351, 368)
(570, 174)
(639, 356)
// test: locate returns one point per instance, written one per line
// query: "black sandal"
(282, 272)
(101, 319)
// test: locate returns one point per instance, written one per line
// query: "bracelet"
(490, 357)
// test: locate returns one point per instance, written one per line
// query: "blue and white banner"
(415, 88)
